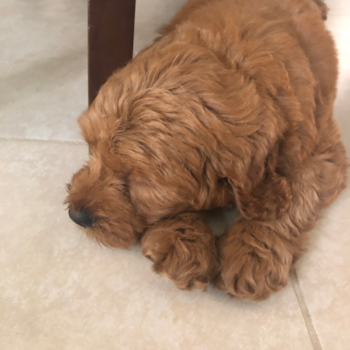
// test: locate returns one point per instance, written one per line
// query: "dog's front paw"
(183, 249)
(255, 261)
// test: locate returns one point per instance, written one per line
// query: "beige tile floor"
(58, 290)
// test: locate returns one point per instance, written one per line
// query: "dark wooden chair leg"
(111, 39)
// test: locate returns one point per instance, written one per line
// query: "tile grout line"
(305, 311)
(58, 142)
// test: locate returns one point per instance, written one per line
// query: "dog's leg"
(183, 249)
(256, 256)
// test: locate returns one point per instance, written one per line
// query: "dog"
(231, 105)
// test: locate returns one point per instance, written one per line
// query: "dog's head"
(145, 161)
(171, 132)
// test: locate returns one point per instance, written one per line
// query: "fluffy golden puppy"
(232, 104)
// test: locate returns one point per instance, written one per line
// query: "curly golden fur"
(232, 104)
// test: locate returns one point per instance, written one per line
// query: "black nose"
(82, 218)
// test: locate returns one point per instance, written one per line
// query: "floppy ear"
(262, 193)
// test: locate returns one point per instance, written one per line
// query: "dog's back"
(282, 47)
(248, 32)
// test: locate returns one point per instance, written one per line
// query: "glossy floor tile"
(59, 290)
(324, 275)
(43, 68)
(338, 7)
